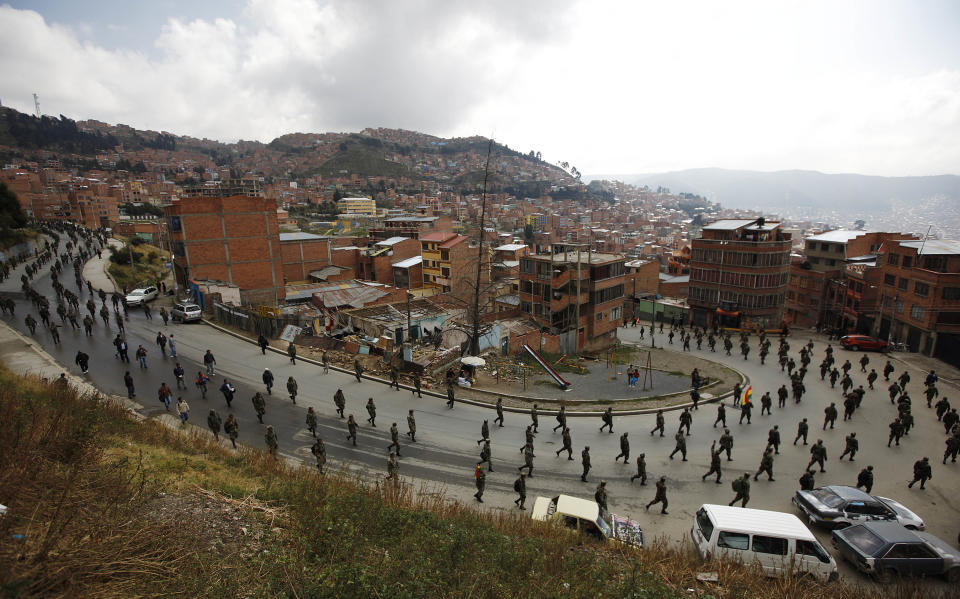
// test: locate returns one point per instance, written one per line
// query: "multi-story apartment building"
(642, 281)
(738, 274)
(818, 294)
(411, 226)
(450, 264)
(575, 294)
(920, 296)
(357, 206)
(233, 239)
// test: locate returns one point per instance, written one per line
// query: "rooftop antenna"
(925, 235)
(36, 103)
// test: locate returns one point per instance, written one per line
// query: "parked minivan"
(778, 542)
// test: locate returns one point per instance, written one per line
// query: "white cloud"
(609, 86)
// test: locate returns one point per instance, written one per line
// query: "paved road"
(446, 451)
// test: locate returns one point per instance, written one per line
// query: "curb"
(481, 404)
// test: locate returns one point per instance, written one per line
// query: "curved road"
(446, 449)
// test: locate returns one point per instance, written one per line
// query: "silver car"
(138, 297)
(839, 506)
(186, 312)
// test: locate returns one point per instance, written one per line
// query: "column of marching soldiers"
(81, 244)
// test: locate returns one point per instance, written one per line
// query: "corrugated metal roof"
(934, 246)
(392, 241)
(355, 297)
(510, 247)
(328, 271)
(299, 236)
(409, 262)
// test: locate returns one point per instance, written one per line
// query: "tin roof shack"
(427, 319)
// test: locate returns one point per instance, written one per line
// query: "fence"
(268, 326)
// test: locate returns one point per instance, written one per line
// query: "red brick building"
(450, 265)
(738, 274)
(920, 296)
(232, 239)
(302, 253)
(642, 280)
(578, 295)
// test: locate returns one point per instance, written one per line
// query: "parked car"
(773, 540)
(888, 551)
(584, 515)
(186, 312)
(858, 342)
(138, 297)
(838, 506)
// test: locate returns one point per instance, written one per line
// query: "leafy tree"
(11, 215)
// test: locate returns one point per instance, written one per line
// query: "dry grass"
(86, 485)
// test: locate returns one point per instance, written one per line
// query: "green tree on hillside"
(11, 215)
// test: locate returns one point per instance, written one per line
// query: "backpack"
(516, 485)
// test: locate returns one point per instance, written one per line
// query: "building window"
(525, 307)
(831, 262)
(907, 261)
(921, 289)
(898, 307)
(599, 316)
(890, 280)
(937, 263)
(951, 293)
(615, 313)
(902, 284)
(825, 247)
(916, 312)
(893, 259)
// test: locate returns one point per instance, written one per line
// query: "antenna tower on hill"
(36, 103)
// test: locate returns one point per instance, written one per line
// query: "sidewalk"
(95, 270)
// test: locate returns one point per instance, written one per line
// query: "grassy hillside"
(109, 506)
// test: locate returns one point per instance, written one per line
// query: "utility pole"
(133, 267)
(475, 338)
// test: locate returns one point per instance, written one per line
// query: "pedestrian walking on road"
(183, 409)
(394, 438)
(661, 423)
(228, 390)
(484, 432)
(259, 405)
(585, 462)
(807, 482)
(606, 417)
(201, 383)
(83, 361)
(164, 315)
(351, 429)
(520, 487)
(128, 383)
(178, 376)
(210, 363)
(164, 393)
(726, 443)
(641, 469)
(268, 380)
(922, 472)
(499, 407)
(357, 369)
(141, 356)
(312, 421)
(392, 467)
(741, 486)
(232, 428)
(292, 352)
(600, 496)
(416, 387)
(162, 342)
(339, 400)
(830, 415)
(319, 450)
(173, 346)
(681, 446)
(527, 460)
(263, 343)
(486, 453)
(372, 411)
(271, 440)
(561, 419)
(686, 419)
(818, 454)
(292, 388)
(411, 427)
(534, 418)
(394, 377)
(567, 444)
(450, 396)
(766, 465)
(714, 463)
(721, 415)
(802, 430)
(213, 422)
(773, 439)
(851, 446)
(325, 360)
(865, 479)
(624, 449)
(661, 496)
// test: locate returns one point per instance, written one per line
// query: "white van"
(777, 541)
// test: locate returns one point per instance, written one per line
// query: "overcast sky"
(869, 87)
